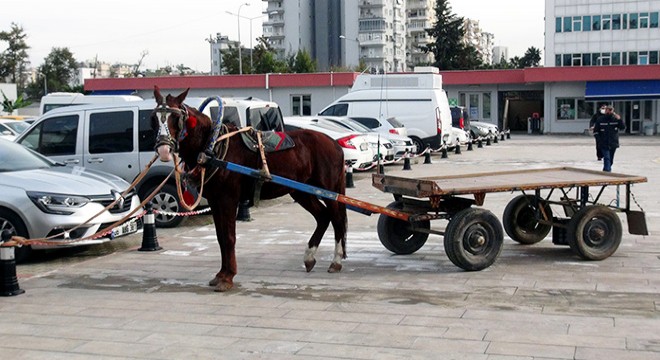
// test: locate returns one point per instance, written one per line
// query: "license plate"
(125, 229)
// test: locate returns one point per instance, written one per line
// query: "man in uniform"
(607, 127)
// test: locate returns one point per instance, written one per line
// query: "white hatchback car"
(357, 151)
(9, 129)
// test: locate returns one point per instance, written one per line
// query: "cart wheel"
(594, 232)
(473, 239)
(396, 235)
(520, 221)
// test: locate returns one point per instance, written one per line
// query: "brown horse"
(316, 160)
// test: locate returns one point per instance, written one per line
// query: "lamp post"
(238, 21)
(251, 37)
(343, 37)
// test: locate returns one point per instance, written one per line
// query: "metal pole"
(240, 56)
(251, 47)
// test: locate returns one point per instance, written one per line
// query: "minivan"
(417, 100)
(117, 138)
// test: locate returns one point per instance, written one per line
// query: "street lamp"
(251, 37)
(238, 21)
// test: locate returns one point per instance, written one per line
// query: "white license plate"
(125, 229)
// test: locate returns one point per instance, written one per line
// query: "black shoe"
(599, 159)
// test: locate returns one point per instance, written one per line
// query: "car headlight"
(57, 203)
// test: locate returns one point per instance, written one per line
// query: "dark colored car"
(460, 117)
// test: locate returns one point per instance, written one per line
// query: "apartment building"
(420, 15)
(480, 40)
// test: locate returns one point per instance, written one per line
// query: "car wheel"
(419, 144)
(165, 203)
(11, 222)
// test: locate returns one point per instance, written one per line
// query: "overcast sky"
(176, 32)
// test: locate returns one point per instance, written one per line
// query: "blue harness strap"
(217, 123)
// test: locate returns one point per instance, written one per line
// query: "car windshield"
(15, 157)
(17, 126)
(395, 123)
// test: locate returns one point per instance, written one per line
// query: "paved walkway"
(535, 302)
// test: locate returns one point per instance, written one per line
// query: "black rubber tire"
(473, 239)
(396, 236)
(165, 200)
(594, 232)
(419, 143)
(520, 222)
(12, 222)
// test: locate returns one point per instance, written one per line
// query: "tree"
(532, 58)
(60, 69)
(9, 106)
(14, 60)
(264, 59)
(303, 63)
(447, 46)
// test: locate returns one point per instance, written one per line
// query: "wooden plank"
(502, 181)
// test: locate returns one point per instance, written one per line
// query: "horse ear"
(157, 95)
(182, 96)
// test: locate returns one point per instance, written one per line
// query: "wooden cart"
(473, 237)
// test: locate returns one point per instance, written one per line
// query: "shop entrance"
(515, 107)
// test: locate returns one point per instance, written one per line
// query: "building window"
(643, 20)
(632, 24)
(594, 59)
(606, 22)
(568, 21)
(557, 60)
(558, 24)
(567, 60)
(654, 20)
(624, 23)
(576, 60)
(643, 58)
(486, 107)
(577, 23)
(586, 59)
(301, 105)
(632, 58)
(586, 20)
(595, 23)
(565, 109)
(616, 22)
(653, 57)
(585, 109)
(604, 59)
(616, 58)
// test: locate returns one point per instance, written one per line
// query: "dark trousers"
(599, 153)
(608, 158)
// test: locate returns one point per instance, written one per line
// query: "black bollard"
(381, 169)
(349, 177)
(488, 141)
(406, 162)
(149, 238)
(495, 139)
(8, 279)
(243, 211)
(508, 134)
(480, 143)
(502, 137)
(427, 157)
(469, 146)
(457, 150)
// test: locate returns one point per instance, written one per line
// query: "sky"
(173, 33)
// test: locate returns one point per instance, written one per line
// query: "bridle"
(164, 137)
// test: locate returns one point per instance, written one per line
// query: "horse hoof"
(309, 265)
(215, 281)
(334, 268)
(223, 286)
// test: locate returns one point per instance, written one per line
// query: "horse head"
(171, 121)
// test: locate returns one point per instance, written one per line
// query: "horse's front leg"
(224, 218)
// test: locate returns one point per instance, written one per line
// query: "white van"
(117, 138)
(60, 99)
(414, 99)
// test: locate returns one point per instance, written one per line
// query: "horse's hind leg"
(320, 214)
(337, 212)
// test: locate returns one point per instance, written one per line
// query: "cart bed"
(501, 181)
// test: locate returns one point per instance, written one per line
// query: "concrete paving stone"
(111, 348)
(535, 350)
(643, 344)
(385, 353)
(485, 324)
(588, 353)
(52, 355)
(252, 332)
(32, 342)
(298, 324)
(389, 331)
(360, 339)
(168, 327)
(353, 317)
(535, 317)
(546, 338)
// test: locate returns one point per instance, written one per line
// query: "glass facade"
(606, 22)
(605, 59)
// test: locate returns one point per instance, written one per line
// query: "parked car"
(357, 151)
(10, 129)
(460, 136)
(460, 117)
(386, 126)
(41, 198)
(382, 145)
(116, 137)
(483, 129)
(400, 144)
